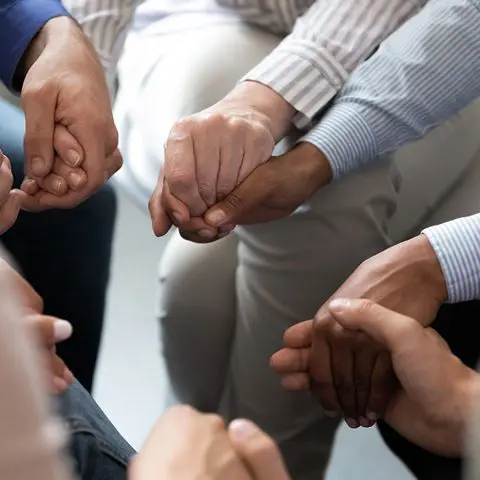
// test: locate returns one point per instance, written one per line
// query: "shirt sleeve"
(327, 43)
(106, 23)
(457, 246)
(421, 76)
(20, 21)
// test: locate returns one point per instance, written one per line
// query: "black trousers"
(459, 325)
(65, 255)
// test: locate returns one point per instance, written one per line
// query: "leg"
(99, 452)
(197, 318)
(65, 255)
(197, 282)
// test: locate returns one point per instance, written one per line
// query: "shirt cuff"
(21, 20)
(345, 138)
(457, 246)
(304, 75)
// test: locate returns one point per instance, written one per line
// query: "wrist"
(52, 33)
(270, 108)
(422, 256)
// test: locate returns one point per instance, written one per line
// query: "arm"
(327, 43)
(106, 23)
(421, 76)
(20, 21)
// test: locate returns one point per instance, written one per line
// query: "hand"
(186, 444)
(209, 153)
(10, 200)
(48, 330)
(438, 390)
(65, 86)
(352, 374)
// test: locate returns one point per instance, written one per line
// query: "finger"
(175, 209)
(10, 209)
(257, 450)
(67, 147)
(342, 362)
(113, 164)
(365, 359)
(38, 103)
(180, 170)
(76, 178)
(49, 330)
(30, 186)
(388, 328)
(54, 184)
(321, 373)
(207, 165)
(383, 386)
(6, 180)
(291, 360)
(231, 157)
(161, 222)
(296, 382)
(198, 231)
(299, 335)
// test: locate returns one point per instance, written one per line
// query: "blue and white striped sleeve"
(421, 76)
(457, 246)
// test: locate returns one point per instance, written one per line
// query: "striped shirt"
(420, 77)
(324, 40)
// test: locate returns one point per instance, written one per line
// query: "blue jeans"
(98, 450)
(65, 255)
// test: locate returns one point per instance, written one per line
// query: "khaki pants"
(224, 307)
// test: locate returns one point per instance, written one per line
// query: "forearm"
(421, 76)
(106, 23)
(20, 21)
(327, 43)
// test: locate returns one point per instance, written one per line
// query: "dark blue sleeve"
(20, 21)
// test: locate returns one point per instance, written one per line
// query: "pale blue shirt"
(420, 77)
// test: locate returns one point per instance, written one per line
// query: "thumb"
(257, 451)
(39, 108)
(49, 330)
(388, 328)
(235, 205)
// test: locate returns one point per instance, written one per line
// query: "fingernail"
(58, 186)
(227, 228)
(75, 179)
(62, 330)
(216, 217)
(331, 413)
(73, 158)
(206, 233)
(68, 376)
(352, 423)
(178, 218)
(364, 422)
(340, 304)
(38, 166)
(373, 417)
(243, 429)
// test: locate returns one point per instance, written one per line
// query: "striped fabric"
(325, 40)
(421, 76)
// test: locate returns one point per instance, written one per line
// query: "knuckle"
(182, 410)
(180, 179)
(365, 306)
(234, 202)
(182, 126)
(215, 421)
(35, 91)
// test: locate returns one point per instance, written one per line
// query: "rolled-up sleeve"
(328, 42)
(20, 21)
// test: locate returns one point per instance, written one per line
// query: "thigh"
(98, 450)
(196, 311)
(287, 270)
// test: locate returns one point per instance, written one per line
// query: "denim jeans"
(98, 450)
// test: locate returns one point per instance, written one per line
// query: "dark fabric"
(459, 325)
(98, 451)
(65, 256)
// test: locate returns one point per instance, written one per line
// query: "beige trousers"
(224, 307)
